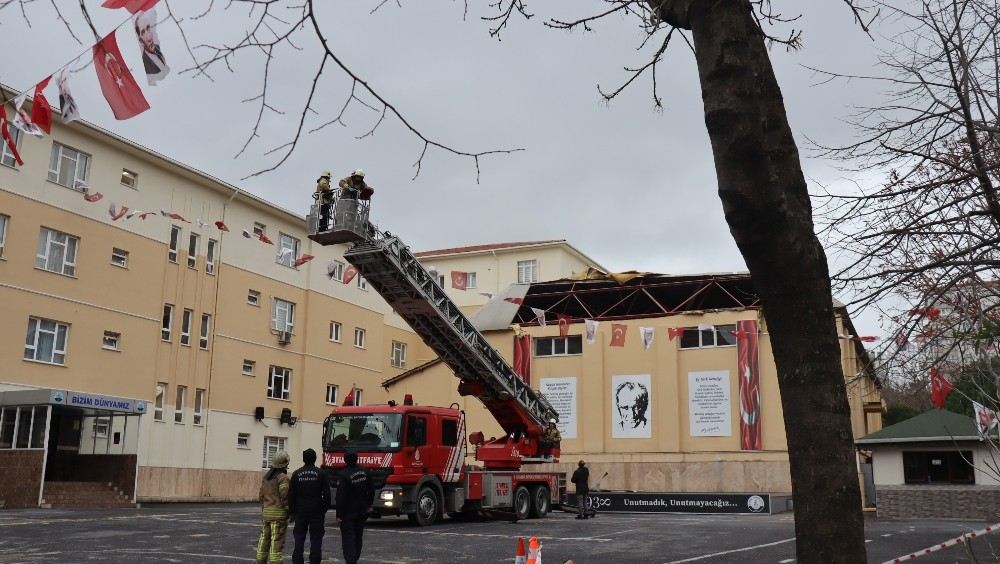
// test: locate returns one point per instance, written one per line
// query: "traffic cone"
(521, 557)
(534, 551)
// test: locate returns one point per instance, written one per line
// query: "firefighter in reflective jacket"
(274, 504)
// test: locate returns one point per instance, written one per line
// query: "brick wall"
(941, 502)
(22, 477)
(118, 469)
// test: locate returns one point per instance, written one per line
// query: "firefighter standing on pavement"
(308, 501)
(354, 500)
(274, 504)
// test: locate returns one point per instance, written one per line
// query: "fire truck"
(415, 454)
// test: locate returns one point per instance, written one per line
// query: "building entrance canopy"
(90, 404)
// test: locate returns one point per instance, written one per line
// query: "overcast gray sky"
(631, 187)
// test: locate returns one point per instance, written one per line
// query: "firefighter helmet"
(279, 460)
(359, 173)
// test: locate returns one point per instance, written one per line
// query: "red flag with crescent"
(940, 388)
(5, 132)
(459, 280)
(132, 6)
(350, 273)
(675, 332)
(563, 324)
(618, 331)
(748, 371)
(93, 196)
(41, 110)
(302, 260)
(117, 84)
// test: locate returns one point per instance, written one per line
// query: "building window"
(186, 327)
(56, 252)
(243, 440)
(527, 271)
(46, 341)
(271, 447)
(559, 346)
(6, 154)
(253, 298)
(710, 336)
(193, 251)
(336, 272)
(357, 396)
(288, 250)
(938, 467)
(168, 322)
(441, 280)
(199, 405)
(23, 427)
(4, 219)
(119, 257)
(359, 337)
(161, 391)
(283, 316)
(130, 179)
(175, 243)
(398, 354)
(101, 427)
(179, 405)
(206, 324)
(68, 167)
(210, 256)
(278, 383)
(470, 280)
(111, 340)
(248, 367)
(362, 283)
(331, 394)
(335, 331)
(259, 229)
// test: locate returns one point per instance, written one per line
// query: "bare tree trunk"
(767, 206)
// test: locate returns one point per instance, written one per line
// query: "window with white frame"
(336, 329)
(130, 179)
(283, 315)
(111, 340)
(708, 336)
(243, 440)
(357, 396)
(101, 425)
(527, 271)
(253, 297)
(248, 367)
(362, 283)
(441, 280)
(56, 251)
(158, 399)
(559, 346)
(46, 341)
(175, 243)
(206, 325)
(398, 354)
(179, 405)
(470, 280)
(359, 337)
(186, 327)
(199, 406)
(193, 250)
(167, 325)
(69, 167)
(288, 249)
(119, 257)
(331, 394)
(6, 154)
(23, 427)
(210, 256)
(279, 382)
(272, 445)
(336, 271)
(4, 220)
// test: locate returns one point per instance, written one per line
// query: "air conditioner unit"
(284, 337)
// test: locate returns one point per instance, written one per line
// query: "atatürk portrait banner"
(631, 408)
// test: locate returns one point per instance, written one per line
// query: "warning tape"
(946, 544)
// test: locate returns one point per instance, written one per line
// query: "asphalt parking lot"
(226, 533)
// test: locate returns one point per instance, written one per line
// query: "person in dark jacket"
(308, 501)
(581, 477)
(354, 500)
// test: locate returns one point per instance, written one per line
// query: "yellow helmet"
(279, 460)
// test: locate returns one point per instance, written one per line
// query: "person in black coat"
(308, 501)
(354, 499)
(581, 477)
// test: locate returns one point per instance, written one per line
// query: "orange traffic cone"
(521, 557)
(534, 551)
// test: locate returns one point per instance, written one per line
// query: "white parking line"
(887, 535)
(744, 549)
(786, 561)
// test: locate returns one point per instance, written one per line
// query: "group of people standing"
(305, 498)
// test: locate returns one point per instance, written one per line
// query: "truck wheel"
(541, 501)
(522, 502)
(427, 508)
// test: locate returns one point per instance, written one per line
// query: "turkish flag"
(302, 260)
(116, 214)
(95, 197)
(675, 332)
(618, 331)
(132, 6)
(222, 226)
(350, 273)
(517, 301)
(563, 324)
(263, 239)
(41, 111)
(940, 388)
(349, 399)
(522, 357)
(117, 84)
(459, 280)
(5, 132)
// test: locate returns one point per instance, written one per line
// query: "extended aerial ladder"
(394, 272)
